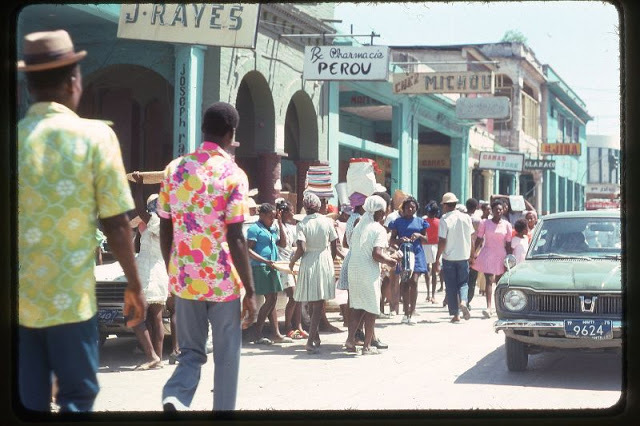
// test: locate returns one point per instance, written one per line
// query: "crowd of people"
(196, 255)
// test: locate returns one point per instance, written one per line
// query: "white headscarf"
(372, 204)
(310, 201)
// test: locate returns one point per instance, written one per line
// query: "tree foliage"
(514, 36)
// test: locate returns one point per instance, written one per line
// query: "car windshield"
(577, 238)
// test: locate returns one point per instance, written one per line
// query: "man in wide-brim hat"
(69, 169)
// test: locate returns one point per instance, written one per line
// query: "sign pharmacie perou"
(346, 63)
(209, 24)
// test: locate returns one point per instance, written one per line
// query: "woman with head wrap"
(367, 252)
(356, 200)
(153, 277)
(316, 249)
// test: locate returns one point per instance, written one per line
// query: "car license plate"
(588, 329)
(107, 315)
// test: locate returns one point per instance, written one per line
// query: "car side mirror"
(509, 262)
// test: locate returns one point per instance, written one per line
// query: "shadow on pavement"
(568, 369)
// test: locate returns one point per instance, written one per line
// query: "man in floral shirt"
(201, 204)
(70, 171)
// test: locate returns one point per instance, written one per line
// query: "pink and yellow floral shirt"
(202, 192)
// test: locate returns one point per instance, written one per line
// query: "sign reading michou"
(211, 24)
(443, 82)
(346, 63)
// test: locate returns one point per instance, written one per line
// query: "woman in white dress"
(316, 247)
(155, 282)
(367, 252)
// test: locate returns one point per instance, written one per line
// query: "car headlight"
(514, 300)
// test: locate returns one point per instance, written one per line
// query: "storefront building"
(154, 91)
(603, 172)
(564, 141)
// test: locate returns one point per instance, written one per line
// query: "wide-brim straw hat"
(47, 50)
(149, 178)
(448, 198)
(298, 217)
(151, 198)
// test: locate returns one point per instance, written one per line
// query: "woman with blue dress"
(411, 229)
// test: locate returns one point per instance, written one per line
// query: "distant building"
(603, 172)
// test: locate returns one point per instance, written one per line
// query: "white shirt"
(456, 227)
(391, 217)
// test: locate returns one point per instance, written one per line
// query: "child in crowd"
(520, 241)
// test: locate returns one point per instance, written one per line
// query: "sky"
(579, 39)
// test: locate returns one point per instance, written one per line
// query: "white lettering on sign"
(346, 63)
(182, 111)
(213, 24)
(438, 82)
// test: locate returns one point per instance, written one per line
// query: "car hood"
(111, 272)
(545, 274)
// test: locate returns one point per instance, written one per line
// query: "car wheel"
(517, 357)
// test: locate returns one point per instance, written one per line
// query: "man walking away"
(202, 203)
(476, 217)
(70, 171)
(454, 246)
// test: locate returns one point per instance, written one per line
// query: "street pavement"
(433, 365)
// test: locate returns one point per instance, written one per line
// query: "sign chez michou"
(209, 24)
(434, 157)
(346, 63)
(443, 82)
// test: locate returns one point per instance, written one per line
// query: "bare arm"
(139, 198)
(239, 253)
(255, 256)
(300, 248)
(380, 256)
(334, 248)
(166, 239)
(283, 235)
(119, 236)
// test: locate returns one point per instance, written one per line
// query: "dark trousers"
(456, 276)
(473, 276)
(70, 351)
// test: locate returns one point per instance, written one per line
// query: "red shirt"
(432, 230)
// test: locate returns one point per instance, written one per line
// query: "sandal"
(304, 334)
(282, 340)
(173, 357)
(369, 351)
(349, 348)
(263, 341)
(156, 363)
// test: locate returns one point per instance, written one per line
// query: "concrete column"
(496, 182)
(459, 165)
(553, 198)
(562, 194)
(487, 190)
(515, 181)
(334, 131)
(546, 191)
(538, 180)
(269, 165)
(400, 128)
(189, 71)
(570, 195)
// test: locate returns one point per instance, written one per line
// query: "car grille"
(551, 303)
(111, 292)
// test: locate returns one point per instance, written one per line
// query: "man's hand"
(135, 307)
(436, 266)
(249, 310)
(137, 177)
(392, 262)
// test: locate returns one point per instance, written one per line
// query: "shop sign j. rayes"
(209, 24)
(346, 63)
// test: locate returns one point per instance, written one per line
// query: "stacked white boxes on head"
(319, 181)
(361, 177)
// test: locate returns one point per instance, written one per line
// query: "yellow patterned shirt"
(70, 171)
